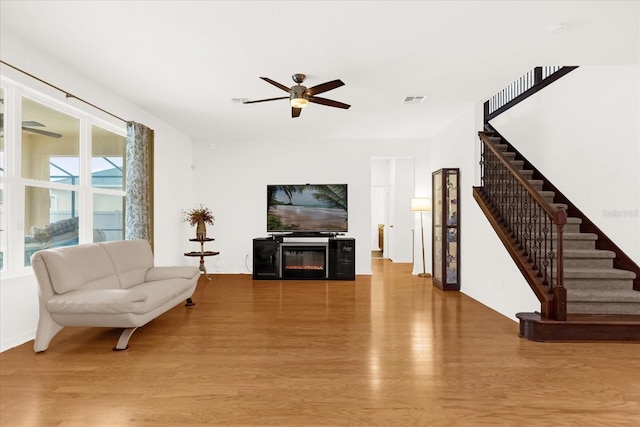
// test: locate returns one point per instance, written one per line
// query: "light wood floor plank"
(385, 350)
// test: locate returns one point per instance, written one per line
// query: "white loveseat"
(109, 284)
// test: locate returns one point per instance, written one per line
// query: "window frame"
(14, 185)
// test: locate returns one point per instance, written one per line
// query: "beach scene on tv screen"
(307, 207)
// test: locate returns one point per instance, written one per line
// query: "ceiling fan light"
(298, 96)
(299, 102)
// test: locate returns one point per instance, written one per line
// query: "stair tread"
(580, 236)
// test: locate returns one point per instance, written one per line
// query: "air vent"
(413, 99)
(239, 100)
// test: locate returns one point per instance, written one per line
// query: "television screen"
(307, 208)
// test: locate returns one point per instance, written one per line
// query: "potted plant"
(200, 217)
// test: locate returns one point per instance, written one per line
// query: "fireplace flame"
(304, 267)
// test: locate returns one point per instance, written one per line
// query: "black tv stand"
(275, 258)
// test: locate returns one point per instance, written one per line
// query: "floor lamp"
(421, 205)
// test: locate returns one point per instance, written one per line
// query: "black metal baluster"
(518, 217)
(545, 250)
(529, 234)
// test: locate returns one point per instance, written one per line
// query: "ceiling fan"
(300, 96)
(30, 125)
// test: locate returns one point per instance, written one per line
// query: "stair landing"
(580, 327)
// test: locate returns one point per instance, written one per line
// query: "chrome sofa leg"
(123, 342)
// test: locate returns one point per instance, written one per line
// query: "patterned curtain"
(139, 183)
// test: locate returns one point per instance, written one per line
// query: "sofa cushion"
(131, 259)
(162, 273)
(169, 288)
(73, 268)
(111, 301)
(140, 299)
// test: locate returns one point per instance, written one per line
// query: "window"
(107, 173)
(62, 176)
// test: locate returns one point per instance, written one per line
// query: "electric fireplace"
(331, 258)
(301, 260)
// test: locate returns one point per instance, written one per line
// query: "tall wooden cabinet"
(446, 229)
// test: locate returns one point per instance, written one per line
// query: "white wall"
(173, 177)
(583, 133)
(232, 177)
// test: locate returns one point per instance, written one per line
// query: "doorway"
(392, 187)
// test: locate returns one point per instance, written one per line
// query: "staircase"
(601, 302)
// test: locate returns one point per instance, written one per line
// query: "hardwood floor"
(385, 350)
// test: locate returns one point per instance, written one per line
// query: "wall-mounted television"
(307, 208)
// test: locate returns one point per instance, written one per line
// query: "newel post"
(559, 291)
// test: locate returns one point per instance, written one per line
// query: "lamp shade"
(421, 204)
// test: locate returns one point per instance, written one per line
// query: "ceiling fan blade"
(276, 84)
(42, 132)
(265, 100)
(324, 87)
(295, 112)
(328, 102)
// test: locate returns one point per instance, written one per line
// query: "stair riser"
(598, 284)
(528, 213)
(516, 222)
(548, 197)
(526, 174)
(537, 185)
(590, 263)
(571, 228)
(603, 308)
(579, 244)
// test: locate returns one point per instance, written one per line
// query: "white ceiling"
(184, 61)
